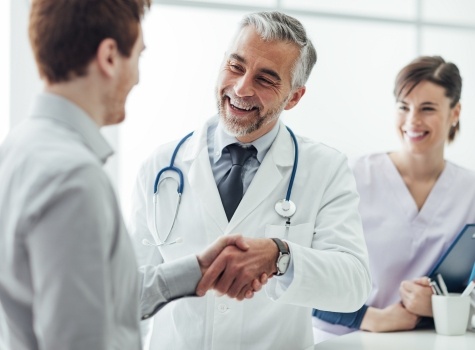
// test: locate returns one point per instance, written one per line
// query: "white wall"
(348, 104)
(4, 109)
(4, 68)
(458, 46)
(24, 79)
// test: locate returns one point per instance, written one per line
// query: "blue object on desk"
(457, 262)
(472, 275)
(350, 319)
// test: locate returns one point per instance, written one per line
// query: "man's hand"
(392, 318)
(416, 296)
(239, 270)
(207, 257)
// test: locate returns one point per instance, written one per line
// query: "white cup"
(450, 313)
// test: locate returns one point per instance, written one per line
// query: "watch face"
(283, 263)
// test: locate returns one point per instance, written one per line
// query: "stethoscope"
(284, 207)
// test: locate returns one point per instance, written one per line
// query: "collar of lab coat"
(281, 151)
(271, 172)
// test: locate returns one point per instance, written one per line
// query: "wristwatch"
(283, 259)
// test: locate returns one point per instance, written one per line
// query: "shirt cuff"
(167, 282)
(181, 276)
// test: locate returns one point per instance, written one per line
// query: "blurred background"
(361, 45)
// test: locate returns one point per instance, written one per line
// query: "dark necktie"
(230, 187)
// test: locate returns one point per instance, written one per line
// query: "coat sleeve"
(351, 319)
(333, 274)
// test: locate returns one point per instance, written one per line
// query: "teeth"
(244, 107)
(414, 134)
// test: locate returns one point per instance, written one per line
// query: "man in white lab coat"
(264, 72)
(68, 274)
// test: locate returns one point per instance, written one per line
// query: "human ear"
(296, 96)
(455, 114)
(107, 57)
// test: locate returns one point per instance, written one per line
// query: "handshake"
(237, 266)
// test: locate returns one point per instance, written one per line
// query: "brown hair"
(65, 34)
(435, 70)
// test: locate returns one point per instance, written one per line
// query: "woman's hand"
(416, 296)
(392, 318)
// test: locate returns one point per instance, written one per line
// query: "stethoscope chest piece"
(285, 208)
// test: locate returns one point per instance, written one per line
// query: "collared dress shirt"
(68, 273)
(220, 159)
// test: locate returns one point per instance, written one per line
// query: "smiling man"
(248, 112)
(236, 170)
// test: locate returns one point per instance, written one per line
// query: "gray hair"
(281, 27)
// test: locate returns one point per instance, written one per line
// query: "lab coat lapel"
(201, 179)
(277, 163)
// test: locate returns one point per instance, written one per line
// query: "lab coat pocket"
(301, 234)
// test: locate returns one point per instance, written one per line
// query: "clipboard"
(456, 264)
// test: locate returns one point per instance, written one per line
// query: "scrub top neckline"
(407, 203)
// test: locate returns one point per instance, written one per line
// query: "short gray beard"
(232, 125)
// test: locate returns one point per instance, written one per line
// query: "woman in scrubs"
(413, 202)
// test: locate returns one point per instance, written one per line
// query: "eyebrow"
(267, 71)
(423, 103)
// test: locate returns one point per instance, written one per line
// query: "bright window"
(458, 12)
(401, 9)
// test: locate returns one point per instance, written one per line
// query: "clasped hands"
(415, 303)
(416, 296)
(237, 266)
(404, 315)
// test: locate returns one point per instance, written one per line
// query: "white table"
(414, 340)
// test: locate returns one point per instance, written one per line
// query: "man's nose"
(244, 86)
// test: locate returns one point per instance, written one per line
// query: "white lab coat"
(330, 267)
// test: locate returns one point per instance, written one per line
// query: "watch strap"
(283, 250)
(281, 246)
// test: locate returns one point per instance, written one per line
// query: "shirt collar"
(60, 109)
(262, 144)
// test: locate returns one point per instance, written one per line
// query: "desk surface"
(414, 340)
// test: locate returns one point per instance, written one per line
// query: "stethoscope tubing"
(171, 167)
(294, 168)
(180, 186)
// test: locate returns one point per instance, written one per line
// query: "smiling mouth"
(413, 135)
(240, 107)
